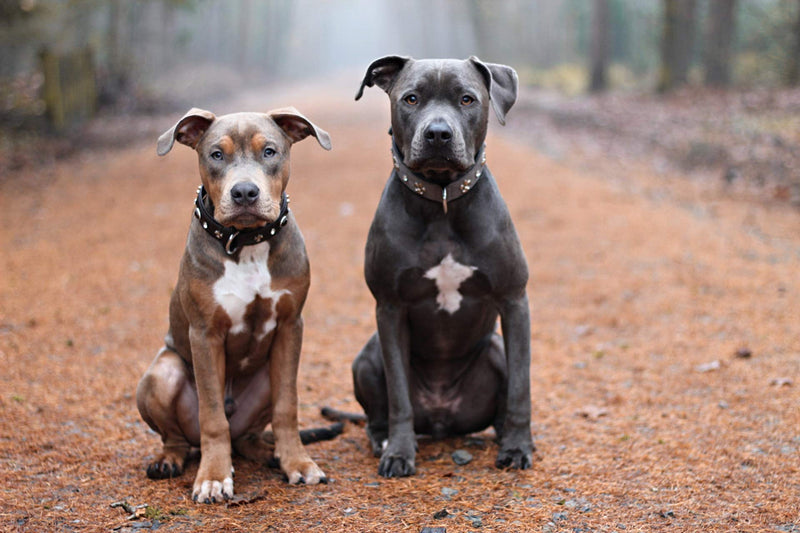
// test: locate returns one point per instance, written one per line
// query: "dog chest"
(444, 287)
(448, 276)
(241, 284)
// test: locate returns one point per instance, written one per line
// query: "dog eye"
(216, 155)
(269, 152)
(467, 100)
(411, 99)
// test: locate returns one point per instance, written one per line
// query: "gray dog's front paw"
(516, 451)
(396, 466)
(397, 461)
(515, 458)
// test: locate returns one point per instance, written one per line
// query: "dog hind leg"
(159, 398)
(369, 383)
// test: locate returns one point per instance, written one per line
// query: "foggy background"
(147, 52)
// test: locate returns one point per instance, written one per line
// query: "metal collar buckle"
(228, 249)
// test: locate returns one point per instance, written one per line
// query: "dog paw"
(514, 458)
(212, 491)
(392, 465)
(165, 467)
(306, 472)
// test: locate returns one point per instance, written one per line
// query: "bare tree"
(719, 37)
(600, 42)
(677, 43)
(793, 68)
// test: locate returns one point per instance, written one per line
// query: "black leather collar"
(231, 238)
(432, 191)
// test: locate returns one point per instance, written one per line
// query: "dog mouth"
(250, 219)
(438, 167)
(438, 160)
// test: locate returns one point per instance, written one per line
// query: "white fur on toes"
(214, 491)
(312, 476)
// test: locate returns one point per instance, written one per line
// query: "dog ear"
(502, 83)
(382, 72)
(297, 127)
(188, 130)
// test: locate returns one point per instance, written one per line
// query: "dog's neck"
(233, 239)
(434, 192)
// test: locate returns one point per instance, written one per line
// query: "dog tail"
(324, 433)
(310, 435)
(334, 415)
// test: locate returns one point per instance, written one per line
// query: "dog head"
(244, 159)
(440, 108)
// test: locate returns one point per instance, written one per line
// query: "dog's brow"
(226, 144)
(258, 142)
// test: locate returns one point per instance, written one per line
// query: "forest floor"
(665, 336)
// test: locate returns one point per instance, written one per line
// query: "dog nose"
(438, 133)
(244, 193)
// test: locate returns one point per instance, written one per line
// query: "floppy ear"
(297, 127)
(502, 83)
(382, 72)
(187, 131)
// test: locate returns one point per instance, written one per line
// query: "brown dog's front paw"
(212, 491)
(212, 485)
(303, 471)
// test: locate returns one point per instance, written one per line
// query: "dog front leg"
(516, 445)
(214, 480)
(398, 457)
(284, 360)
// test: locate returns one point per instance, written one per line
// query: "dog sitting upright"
(230, 360)
(443, 261)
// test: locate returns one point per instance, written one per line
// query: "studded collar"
(431, 191)
(231, 238)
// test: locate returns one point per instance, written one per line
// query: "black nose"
(244, 193)
(438, 133)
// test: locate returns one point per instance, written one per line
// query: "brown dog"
(230, 360)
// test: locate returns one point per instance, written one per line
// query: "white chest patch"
(242, 282)
(449, 275)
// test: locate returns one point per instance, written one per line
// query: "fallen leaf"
(592, 412)
(781, 382)
(708, 367)
(244, 499)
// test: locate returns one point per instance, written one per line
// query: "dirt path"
(642, 292)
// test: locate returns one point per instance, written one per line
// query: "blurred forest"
(144, 53)
(64, 61)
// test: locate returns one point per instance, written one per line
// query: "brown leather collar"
(431, 191)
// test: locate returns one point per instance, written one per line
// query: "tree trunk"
(721, 27)
(600, 41)
(677, 43)
(685, 43)
(793, 68)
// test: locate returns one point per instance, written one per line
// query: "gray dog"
(443, 261)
